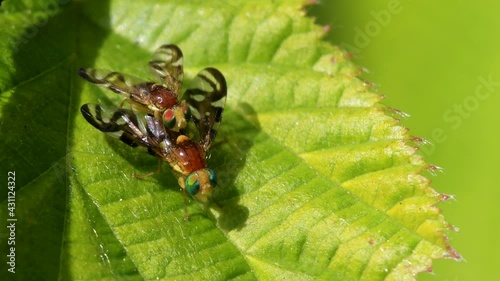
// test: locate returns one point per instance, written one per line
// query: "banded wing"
(122, 124)
(131, 87)
(206, 98)
(166, 65)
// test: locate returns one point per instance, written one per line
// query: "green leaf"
(317, 179)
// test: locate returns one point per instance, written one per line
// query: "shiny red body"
(162, 98)
(187, 156)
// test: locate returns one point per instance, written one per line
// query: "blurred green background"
(433, 60)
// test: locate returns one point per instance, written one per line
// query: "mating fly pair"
(160, 116)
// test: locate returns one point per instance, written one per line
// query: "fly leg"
(158, 170)
(181, 182)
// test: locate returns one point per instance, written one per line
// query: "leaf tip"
(416, 139)
(452, 253)
(446, 197)
(433, 169)
(400, 113)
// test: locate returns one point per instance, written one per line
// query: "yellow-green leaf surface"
(317, 180)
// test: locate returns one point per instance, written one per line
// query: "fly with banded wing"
(161, 100)
(145, 126)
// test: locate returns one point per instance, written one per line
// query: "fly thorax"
(188, 156)
(162, 98)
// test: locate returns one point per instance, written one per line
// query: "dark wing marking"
(166, 65)
(119, 123)
(131, 87)
(206, 98)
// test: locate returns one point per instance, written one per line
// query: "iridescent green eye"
(192, 184)
(169, 118)
(213, 178)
